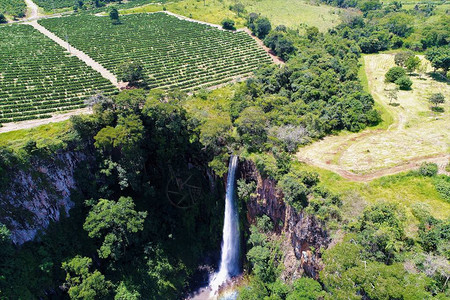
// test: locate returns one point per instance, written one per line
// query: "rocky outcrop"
(305, 235)
(35, 195)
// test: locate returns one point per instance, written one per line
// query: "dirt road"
(80, 54)
(34, 123)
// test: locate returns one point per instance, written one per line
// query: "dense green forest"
(136, 233)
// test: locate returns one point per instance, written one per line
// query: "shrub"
(404, 83)
(295, 192)
(428, 169)
(228, 24)
(436, 99)
(442, 184)
(394, 73)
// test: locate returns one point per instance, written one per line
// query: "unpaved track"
(34, 123)
(33, 10)
(74, 51)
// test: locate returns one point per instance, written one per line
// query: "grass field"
(49, 135)
(416, 131)
(292, 13)
(174, 53)
(37, 78)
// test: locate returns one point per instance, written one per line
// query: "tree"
(439, 57)
(133, 73)
(130, 100)
(228, 24)
(394, 73)
(280, 44)
(251, 19)
(436, 99)
(422, 68)
(262, 28)
(412, 63)
(312, 32)
(252, 127)
(216, 133)
(306, 289)
(123, 292)
(82, 283)
(428, 169)
(114, 222)
(239, 8)
(404, 83)
(3, 18)
(393, 95)
(295, 192)
(381, 231)
(114, 16)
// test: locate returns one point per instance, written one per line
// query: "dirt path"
(440, 160)
(32, 11)
(275, 58)
(34, 123)
(81, 55)
(415, 136)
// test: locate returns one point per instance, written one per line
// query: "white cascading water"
(229, 262)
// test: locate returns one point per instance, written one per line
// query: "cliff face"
(305, 235)
(32, 197)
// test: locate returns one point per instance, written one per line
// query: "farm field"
(174, 53)
(292, 13)
(37, 78)
(55, 5)
(295, 13)
(16, 8)
(416, 134)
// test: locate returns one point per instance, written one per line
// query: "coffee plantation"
(15, 8)
(38, 78)
(174, 53)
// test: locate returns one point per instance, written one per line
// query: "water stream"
(229, 262)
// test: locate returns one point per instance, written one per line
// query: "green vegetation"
(392, 26)
(53, 135)
(208, 57)
(15, 8)
(404, 189)
(395, 73)
(38, 78)
(146, 205)
(133, 230)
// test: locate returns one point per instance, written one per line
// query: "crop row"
(173, 52)
(37, 77)
(16, 8)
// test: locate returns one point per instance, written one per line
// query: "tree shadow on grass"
(439, 77)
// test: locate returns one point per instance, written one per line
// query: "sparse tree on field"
(437, 99)
(422, 68)
(412, 63)
(239, 8)
(401, 58)
(114, 16)
(393, 95)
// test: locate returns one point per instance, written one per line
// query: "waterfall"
(229, 262)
